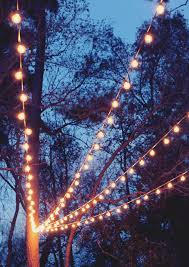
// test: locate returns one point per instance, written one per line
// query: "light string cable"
(84, 209)
(134, 64)
(16, 19)
(137, 201)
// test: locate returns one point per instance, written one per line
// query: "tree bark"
(32, 239)
(69, 248)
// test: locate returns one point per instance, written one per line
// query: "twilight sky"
(126, 15)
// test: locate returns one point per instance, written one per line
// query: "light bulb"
(16, 18)
(118, 210)
(100, 217)
(148, 38)
(77, 175)
(76, 183)
(21, 116)
(101, 197)
(126, 85)
(158, 191)
(141, 162)
(108, 214)
(96, 147)
(100, 134)
(78, 223)
(18, 75)
(110, 120)
(152, 152)
(71, 189)
(131, 171)
(115, 104)
(30, 177)
(28, 157)
(21, 49)
(28, 185)
(67, 195)
(23, 97)
(89, 157)
(125, 206)
(146, 197)
(76, 213)
(170, 185)
(160, 9)
(113, 185)
(134, 64)
(30, 192)
(86, 166)
(71, 216)
(92, 219)
(94, 201)
(176, 129)
(27, 168)
(138, 201)
(86, 222)
(166, 141)
(83, 209)
(25, 146)
(123, 178)
(87, 206)
(182, 178)
(28, 131)
(107, 191)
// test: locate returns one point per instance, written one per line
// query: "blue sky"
(126, 15)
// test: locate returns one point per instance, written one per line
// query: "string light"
(125, 206)
(18, 75)
(21, 116)
(176, 129)
(96, 147)
(28, 131)
(23, 97)
(100, 134)
(183, 178)
(152, 153)
(166, 141)
(130, 171)
(21, 49)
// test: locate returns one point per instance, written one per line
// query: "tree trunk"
(69, 248)
(32, 241)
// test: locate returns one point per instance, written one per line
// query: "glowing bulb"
(94, 201)
(110, 120)
(152, 152)
(118, 210)
(65, 218)
(77, 175)
(29, 198)
(86, 222)
(78, 223)
(134, 64)
(23, 97)
(100, 217)
(113, 185)
(28, 131)
(100, 134)
(125, 206)
(131, 171)
(76, 183)
(28, 157)
(73, 226)
(71, 216)
(158, 191)
(86, 166)
(27, 168)
(21, 116)
(170, 185)
(138, 201)
(28, 185)
(176, 129)
(67, 195)
(18, 75)
(16, 18)
(30, 192)
(66, 226)
(92, 219)
(107, 191)
(160, 9)
(30, 177)
(76, 213)
(146, 197)
(123, 178)
(96, 147)
(108, 214)
(21, 49)
(89, 157)
(71, 189)
(25, 146)
(148, 38)
(101, 197)
(182, 178)
(87, 206)
(141, 162)
(126, 85)
(166, 141)
(115, 104)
